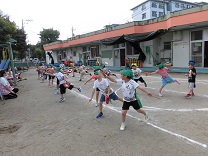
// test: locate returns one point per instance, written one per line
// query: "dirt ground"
(36, 124)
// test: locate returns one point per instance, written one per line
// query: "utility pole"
(73, 32)
(23, 22)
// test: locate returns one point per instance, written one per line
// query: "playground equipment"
(130, 61)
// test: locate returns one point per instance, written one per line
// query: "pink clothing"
(3, 83)
(163, 72)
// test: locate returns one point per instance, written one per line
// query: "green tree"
(21, 46)
(7, 28)
(49, 36)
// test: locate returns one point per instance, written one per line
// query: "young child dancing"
(137, 74)
(62, 79)
(103, 85)
(93, 77)
(165, 77)
(191, 79)
(128, 87)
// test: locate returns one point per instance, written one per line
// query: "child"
(165, 77)
(62, 79)
(106, 70)
(103, 85)
(83, 72)
(137, 74)
(128, 88)
(93, 77)
(50, 69)
(191, 78)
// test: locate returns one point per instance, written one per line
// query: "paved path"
(35, 124)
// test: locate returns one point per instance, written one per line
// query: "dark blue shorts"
(111, 96)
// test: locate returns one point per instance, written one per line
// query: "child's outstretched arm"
(88, 81)
(111, 79)
(93, 92)
(144, 90)
(148, 74)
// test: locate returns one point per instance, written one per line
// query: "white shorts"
(191, 85)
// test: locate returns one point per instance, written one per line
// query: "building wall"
(137, 12)
(107, 55)
(181, 48)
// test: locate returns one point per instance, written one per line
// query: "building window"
(143, 7)
(161, 6)
(183, 6)
(160, 14)
(143, 15)
(154, 4)
(167, 45)
(154, 13)
(188, 6)
(177, 5)
(196, 35)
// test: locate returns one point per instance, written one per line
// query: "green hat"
(102, 65)
(160, 66)
(96, 72)
(127, 72)
(58, 69)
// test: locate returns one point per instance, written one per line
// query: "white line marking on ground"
(157, 127)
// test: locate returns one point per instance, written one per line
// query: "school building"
(186, 39)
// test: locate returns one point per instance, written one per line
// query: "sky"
(83, 15)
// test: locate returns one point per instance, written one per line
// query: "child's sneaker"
(99, 115)
(96, 104)
(73, 76)
(177, 82)
(159, 94)
(146, 118)
(57, 91)
(62, 100)
(80, 80)
(79, 89)
(188, 95)
(123, 126)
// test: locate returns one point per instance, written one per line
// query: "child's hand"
(149, 94)
(148, 74)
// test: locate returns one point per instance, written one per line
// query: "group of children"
(128, 83)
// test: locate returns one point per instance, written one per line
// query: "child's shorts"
(63, 89)
(111, 96)
(167, 80)
(191, 85)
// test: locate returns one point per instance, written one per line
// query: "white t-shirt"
(128, 89)
(3, 81)
(60, 77)
(137, 73)
(102, 86)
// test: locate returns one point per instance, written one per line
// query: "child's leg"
(160, 90)
(97, 96)
(142, 81)
(101, 107)
(124, 116)
(141, 111)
